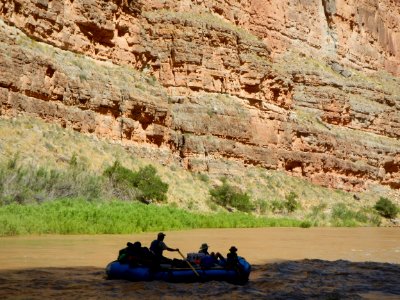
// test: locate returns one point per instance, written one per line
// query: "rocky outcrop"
(296, 87)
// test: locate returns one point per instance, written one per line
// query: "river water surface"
(288, 263)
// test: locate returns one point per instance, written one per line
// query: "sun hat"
(233, 248)
(204, 246)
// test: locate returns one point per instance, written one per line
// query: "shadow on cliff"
(304, 279)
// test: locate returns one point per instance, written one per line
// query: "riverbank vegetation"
(118, 200)
(61, 181)
(386, 208)
(79, 216)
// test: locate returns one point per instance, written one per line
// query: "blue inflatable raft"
(238, 275)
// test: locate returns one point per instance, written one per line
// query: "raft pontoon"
(238, 275)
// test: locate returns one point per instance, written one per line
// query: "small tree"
(386, 208)
(227, 195)
(119, 174)
(146, 181)
(242, 202)
(150, 184)
(291, 204)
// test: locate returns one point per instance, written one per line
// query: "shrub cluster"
(29, 184)
(146, 182)
(386, 208)
(227, 196)
(290, 204)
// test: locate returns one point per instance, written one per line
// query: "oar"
(190, 265)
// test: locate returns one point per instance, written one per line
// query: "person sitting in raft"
(204, 249)
(136, 255)
(130, 254)
(232, 260)
(158, 246)
(209, 260)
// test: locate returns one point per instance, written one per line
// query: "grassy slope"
(52, 147)
(40, 144)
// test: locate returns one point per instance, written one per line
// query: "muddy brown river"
(288, 263)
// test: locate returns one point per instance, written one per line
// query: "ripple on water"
(303, 279)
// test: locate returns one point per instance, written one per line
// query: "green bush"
(120, 175)
(386, 208)
(146, 183)
(242, 202)
(150, 184)
(291, 204)
(305, 224)
(277, 206)
(227, 195)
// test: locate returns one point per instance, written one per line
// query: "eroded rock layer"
(309, 88)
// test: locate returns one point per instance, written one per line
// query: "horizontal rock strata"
(277, 85)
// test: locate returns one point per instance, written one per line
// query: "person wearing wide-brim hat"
(232, 259)
(212, 258)
(204, 249)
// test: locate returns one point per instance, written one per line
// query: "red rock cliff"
(302, 87)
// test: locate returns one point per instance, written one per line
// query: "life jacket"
(123, 256)
(207, 262)
(130, 254)
(156, 248)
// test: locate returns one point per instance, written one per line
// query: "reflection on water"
(320, 263)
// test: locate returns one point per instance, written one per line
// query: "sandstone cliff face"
(284, 86)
